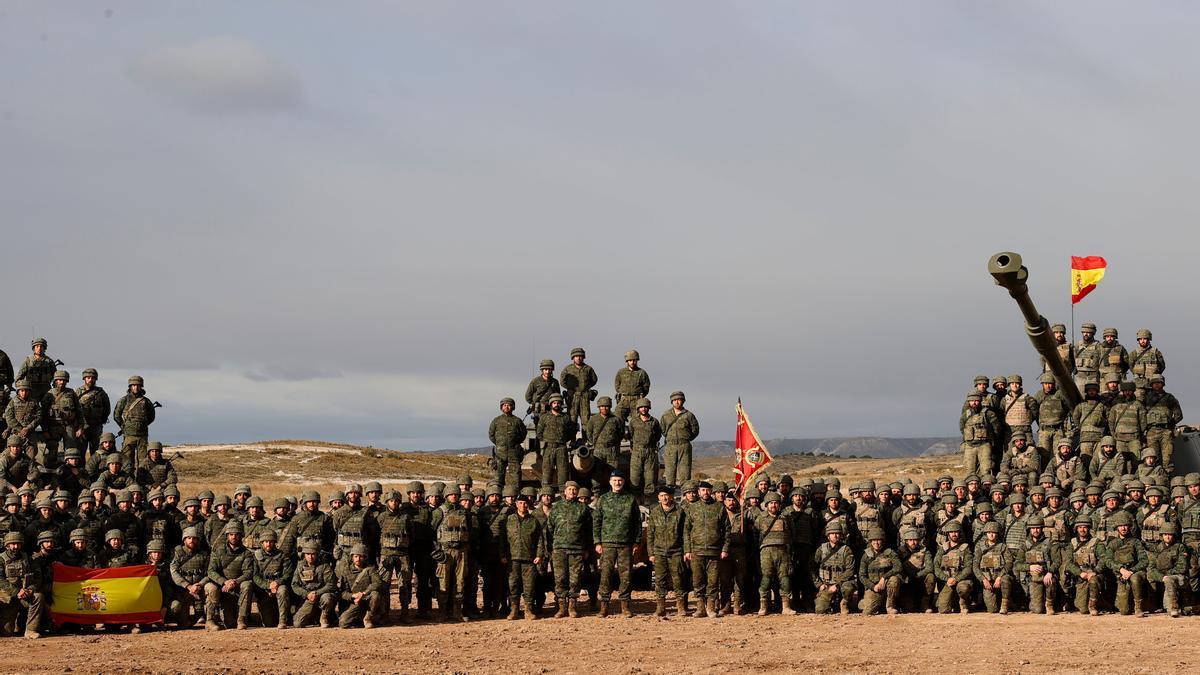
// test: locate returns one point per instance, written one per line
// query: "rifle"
(59, 362)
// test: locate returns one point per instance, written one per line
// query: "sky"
(367, 221)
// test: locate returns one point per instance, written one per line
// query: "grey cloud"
(217, 74)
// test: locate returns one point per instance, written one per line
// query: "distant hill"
(856, 446)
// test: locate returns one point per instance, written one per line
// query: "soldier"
(1125, 558)
(1112, 390)
(1084, 568)
(62, 418)
(38, 369)
(631, 383)
(645, 434)
(23, 415)
(1021, 459)
(913, 513)
(272, 574)
(680, 427)
(157, 524)
(1066, 350)
(353, 524)
(79, 551)
(189, 571)
(1127, 419)
(1020, 411)
(495, 575)
(1068, 467)
(993, 567)
(1090, 418)
(880, 572)
(395, 528)
(773, 532)
(98, 462)
(231, 570)
(1108, 463)
(1167, 570)
(834, 572)
(868, 513)
(605, 431)
(555, 431)
(616, 527)
(569, 533)
(1054, 411)
(452, 532)
(1087, 356)
(952, 565)
(1034, 567)
(507, 432)
(1114, 359)
(802, 524)
(309, 525)
(919, 581)
(523, 548)
(20, 586)
(1146, 360)
(118, 553)
(156, 471)
(578, 380)
(17, 470)
(540, 388)
(315, 584)
(361, 589)
(134, 413)
(738, 569)
(980, 430)
(664, 543)
(96, 407)
(1163, 414)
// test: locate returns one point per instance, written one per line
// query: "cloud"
(217, 74)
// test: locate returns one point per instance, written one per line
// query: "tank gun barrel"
(1007, 270)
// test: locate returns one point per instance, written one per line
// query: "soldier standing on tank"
(1163, 414)
(1020, 411)
(1088, 353)
(554, 431)
(1090, 419)
(1127, 419)
(604, 431)
(680, 427)
(616, 528)
(134, 413)
(62, 418)
(645, 434)
(630, 383)
(1145, 360)
(980, 428)
(1114, 359)
(1066, 350)
(96, 406)
(540, 388)
(37, 369)
(23, 415)
(1053, 413)
(507, 432)
(578, 380)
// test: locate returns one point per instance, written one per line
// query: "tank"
(1007, 270)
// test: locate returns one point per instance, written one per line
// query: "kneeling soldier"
(1034, 567)
(833, 571)
(1125, 557)
(879, 572)
(361, 588)
(315, 584)
(1168, 569)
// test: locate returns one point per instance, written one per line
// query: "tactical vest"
(915, 562)
(1085, 554)
(1104, 530)
(992, 560)
(917, 519)
(775, 533)
(877, 566)
(1087, 357)
(1164, 560)
(310, 576)
(955, 560)
(1152, 523)
(393, 534)
(838, 566)
(1112, 359)
(455, 531)
(1158, 411)
(63, 408)
(1036, 553)
(39, 372)
(192, 566)
(1092, 422)
(1056, 525)
(1052, 411)
(1026, 461)
(1108, 467)
(92, 403)
(867, 516)
(1124, 552)
(1126, 427)
(270, 567)
(26, 412)
(1144, 362)
(976, 429)
(1189, 519)
(1066, 469)
(1016, 410)
(351, 531)
(135, 417)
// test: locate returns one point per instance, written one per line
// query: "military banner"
(120, 595)
(750, 453)
(1086, 272)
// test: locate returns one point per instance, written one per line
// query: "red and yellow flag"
(750, 453)
(1086, 272)
(119, 595)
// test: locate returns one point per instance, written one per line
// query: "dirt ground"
(1015, 643)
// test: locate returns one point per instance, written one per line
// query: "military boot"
(891, 605)
(404, 618)
(1092, 608)
(512, 613)
(456, 613)
(1170, 602)
(1137, 607)
(764, 605)
(681, 606)
(660, 607)
(1004, 605)
(368, 622)
(573, 608)
(714, 609)
(700, 609)
(925, 608)
(625, 610)
(1050, 607)
(530, 613)
(785, 607)
(562, 609)
(845, 606)
(603, 609)
(736, 605)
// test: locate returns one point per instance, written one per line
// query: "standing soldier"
(578, 381)
(645, 433)
(680, 427)
(631, 383)
(738, 567)
(880, 572)
(394, 524)
(272, 574)
(554, 431)
(774, 535)
(1088, 354)
(1146, 360)
(616, 527)
(834, 572)
(507, 432)
(1020, 411)
(38, 369)
(1127, 419)
(94, 402)
(453, 537)
(315, 584)
(540, 388)
(361, 589)
(1163, 414)
(802, 524)
(664, 543)
(1084, 568)
(495, 577)
(1125, 557)
(1066, 350)
(1053, 413)
(569, 532)
(23, 415)
(1090, 419)
(134, 414)
(523, 548)
(604, 431)
(310, 525)
(1114, 359)
(980, 430)
(953, 567)
(63, 418)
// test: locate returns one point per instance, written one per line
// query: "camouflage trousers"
(1048, 437)
(555, 466)
(624, 407)
(90, 443)
(1132, 446)
(568, 571)
(1129, 592)
(706, 577)
(735, 577)
(959, 594)
(371, 604)
(677, 464)
(775, 570)
(1041, 590)
(522, 582)
(58, 438)
(1171, 590)
(325, 604)
(579, 408)
(273, 608)
(1192, 541)
(874, 601)
(1163, 440)
(397, 567)
(134, 450)
(643, 470)
(918, 593)
(1087, 449)
(508, 466)
(994, 598)
(977, 457)
(35, 613)
(668, 573)
(1087, 591)
(423, 573)
(233, 606)
(616, 560)
(452, 577)
(182, 607)
(845, 591)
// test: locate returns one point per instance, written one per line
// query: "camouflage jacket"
(507, 432)
(1146, 362)
(1167, 561)
(95, 405)
(1128, 553)
(22, 415)
(953, 561)
(1162, 409)
(616, 519)
(577, 380)
(1040, 552)
(270, 567)
(605, 432)
(316, 578)
(833, 564)
(134, 414)
(992, 560)
(537, 394)
(631, 384)
(706, 529)
(664, 530)
(61, 406)
(157, 474)
(1114, 358)
(189, 567)
(18, 573)
(555, 430)
(569, 527)
(644, 433)
(16, 471)
(395, 531)
(524, 538)
(1090, 418)
(918, 563)
(353, 580)
(679, 428)
(1127, 419)
(229, 563)
(1053, 409)
(774, 530)
(874, 567)
(38, 371)
(1083, 556)
(305, 527)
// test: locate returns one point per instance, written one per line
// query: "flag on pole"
(750, 453)
(120, 595)
(1086, 272)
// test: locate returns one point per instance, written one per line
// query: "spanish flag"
(751, 454)
(1086, 272)
(120, 595)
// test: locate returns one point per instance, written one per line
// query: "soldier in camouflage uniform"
(96, 407)
(1114, 359)
(1020, 411)
(523, 548)
(1022, 458)
(156, 472)
(1189, 527)
(1090, 420)
(1035, 567)
(189, 571)
(1068, 466)
(1054, 412)
(631, 383)
(62, 418)
(540, 388)
(353, 524)
(773, 532)
(134, 413)
(802, 523)
(1167, 570)
(1125, 558)
(37, 369)
(555, 431)
(834, 572)
(1127, 419)
(1066, 350)
(880, 572)
(23, 415)
(980, 431)
(1084, 569)
(569, 534)
(231, 571)
(1088, 354)
(507, 432)
(452, 526)
(1108, 464)
(1163, 414)
(361, 589)
(919, 581)
(16, 468)
(680, 427)
(993, 568)
(20, 587)
(645, 434)
(395, 527)
(604, 431)
(315, 583)
(272, 573)
(1145, 361)
(495, 573)
(953, 567)
(616, 527)
(664, 543)
(578, 381)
